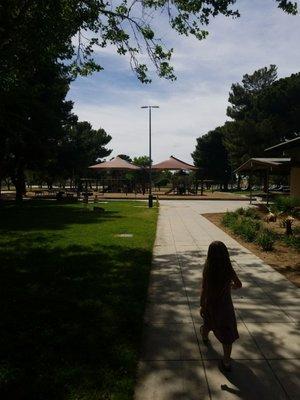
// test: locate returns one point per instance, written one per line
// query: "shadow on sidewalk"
(172, 367)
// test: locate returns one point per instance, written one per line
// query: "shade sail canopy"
(258, 164)
(173, 164)
(116, 163)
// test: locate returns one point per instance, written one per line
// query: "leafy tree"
(163, 178)
(37, 36)
(243, 95)
(81, 147)
(32, 119)
(266, 112)
(242, 135)
(279, 108)
(211, 157)
(35, 30)
(142, 161)
(142, 177)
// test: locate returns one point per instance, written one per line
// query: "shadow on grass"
(48, 215)
(70, 320)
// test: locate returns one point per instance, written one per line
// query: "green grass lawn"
(72, 299)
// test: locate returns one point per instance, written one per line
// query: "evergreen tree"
(211, 157)
(265, 111)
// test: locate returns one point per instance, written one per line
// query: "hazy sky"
(197, 101)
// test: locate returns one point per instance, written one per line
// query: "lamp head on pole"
(150, 107)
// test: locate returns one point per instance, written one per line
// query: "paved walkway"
(175, 365)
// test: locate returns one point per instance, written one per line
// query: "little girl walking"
(217, 309)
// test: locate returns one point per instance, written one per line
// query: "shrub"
(240, 211)
(292, 241)
(251, 213)
(248, 212)
(242, 225)
(286, 204)
(229, 219)
(297, 230)
(236, 227)
(162, 182)
(247, 228)
(266, 239)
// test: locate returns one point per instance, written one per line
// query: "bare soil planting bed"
(283, 259)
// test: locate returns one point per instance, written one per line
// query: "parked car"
(272, 187)
(281, 188)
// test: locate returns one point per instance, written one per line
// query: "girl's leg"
(227, 353)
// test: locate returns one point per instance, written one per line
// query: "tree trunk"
(19, 181)
(239, 182)
(20, 186)
(288, 227)
(49, 184)
(266, 182)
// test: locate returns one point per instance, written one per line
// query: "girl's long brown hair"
(217, 273)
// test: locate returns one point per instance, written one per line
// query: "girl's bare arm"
(236, 283)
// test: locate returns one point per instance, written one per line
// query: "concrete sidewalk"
(175, 365)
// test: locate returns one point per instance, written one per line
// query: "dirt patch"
(283, 259)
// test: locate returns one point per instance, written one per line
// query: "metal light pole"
(150, 198)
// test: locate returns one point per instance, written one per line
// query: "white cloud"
(197, 101)
(175, 126)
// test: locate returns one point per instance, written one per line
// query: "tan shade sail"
(174, 164)
(116, 163)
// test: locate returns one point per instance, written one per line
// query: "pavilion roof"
(174, 164)
(264, 163)
(288, 144)
(116, 163)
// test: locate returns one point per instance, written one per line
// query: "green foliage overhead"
(45, 30)
(45, 44)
